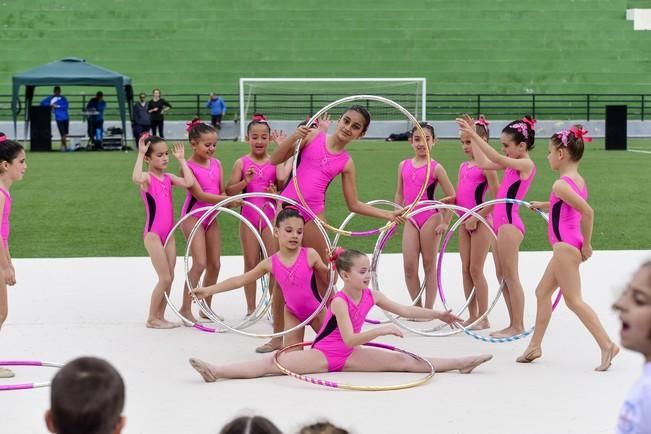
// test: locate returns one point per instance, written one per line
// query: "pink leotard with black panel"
(6, 210)
(158, 206)
(265, 174)
(412, 181)
(472, 185)
(511, 187)
(329, 340)
(298, 284)
(565, 221)
(316, 168)
(209, 179)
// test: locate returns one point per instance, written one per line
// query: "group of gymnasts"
(299, 256)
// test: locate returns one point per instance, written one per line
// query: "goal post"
(293, 99)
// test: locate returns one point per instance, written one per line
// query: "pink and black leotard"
(6, 211)
(298, 284)
(315, 169)
(158, 206)
(472, 185)
(329, 340)
(564, 221)
(512, 187)
(265, 174)
(412, 181)
(209, 179)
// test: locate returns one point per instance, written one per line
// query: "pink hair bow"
(482, 121)
(581, 134)
(3, 138)
(530, 122)
(192, 123)
(563, 136)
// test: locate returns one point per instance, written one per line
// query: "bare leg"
(198, 251)
(170, 253)
(479, 244)
(213, 258)
(251, 253)
(410, 259)
(313, 238)
(277, 302)
(567, 273)
(4, 300)
(374, 360)
(464, 252)
(429, 245)
(508, 246)
(297, 335)
(302, 362)
(544, 293)
(159, 260)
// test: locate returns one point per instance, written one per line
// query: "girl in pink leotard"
(324, 157)
(206, 191)
(255, 173)
(338, 346)
(570, 234)
(12, 168)
(293, 267)
(474, 238)
(422, 232)
(156, 192)
(519, 170)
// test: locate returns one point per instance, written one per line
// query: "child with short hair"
(87, 396)
(12, 168)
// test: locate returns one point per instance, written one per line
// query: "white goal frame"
(243, 81)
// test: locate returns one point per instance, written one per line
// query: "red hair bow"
(581, 134)
(530, 122)
(335, 253)
(191, 124)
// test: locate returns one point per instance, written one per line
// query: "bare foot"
(507, 332)
(607, 357)
(204, 369)
(273, 345)
(529, 355)
(156, 323)
(481, 325)
(6, 373)
(187, 314)
(202, 315)
(474, 361)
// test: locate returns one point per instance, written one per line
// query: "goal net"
(295, 99)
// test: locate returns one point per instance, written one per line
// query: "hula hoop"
(248, 321)
(316, 116)
(211, 315)
(347, 220)
(479, 207)
(337, 385)
(24, 386)
(381, 244)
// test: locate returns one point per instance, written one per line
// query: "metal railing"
(588, 106)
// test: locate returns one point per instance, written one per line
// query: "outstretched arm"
(349, 185)
(235, 282)
(414, 311)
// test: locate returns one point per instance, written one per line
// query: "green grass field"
(84, 204)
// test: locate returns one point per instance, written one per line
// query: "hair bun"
(192, 123)
(335, 253)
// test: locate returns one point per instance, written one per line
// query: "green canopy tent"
(71, 71)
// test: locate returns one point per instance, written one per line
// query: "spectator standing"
(59, 105)
(95, 109)
(217, 108)
(141, 122)
(157, 107)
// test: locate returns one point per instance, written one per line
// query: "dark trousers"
(216, 121)
(93, 125)
(157, 125)
(138, 129)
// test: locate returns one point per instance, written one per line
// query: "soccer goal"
(295, 99)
